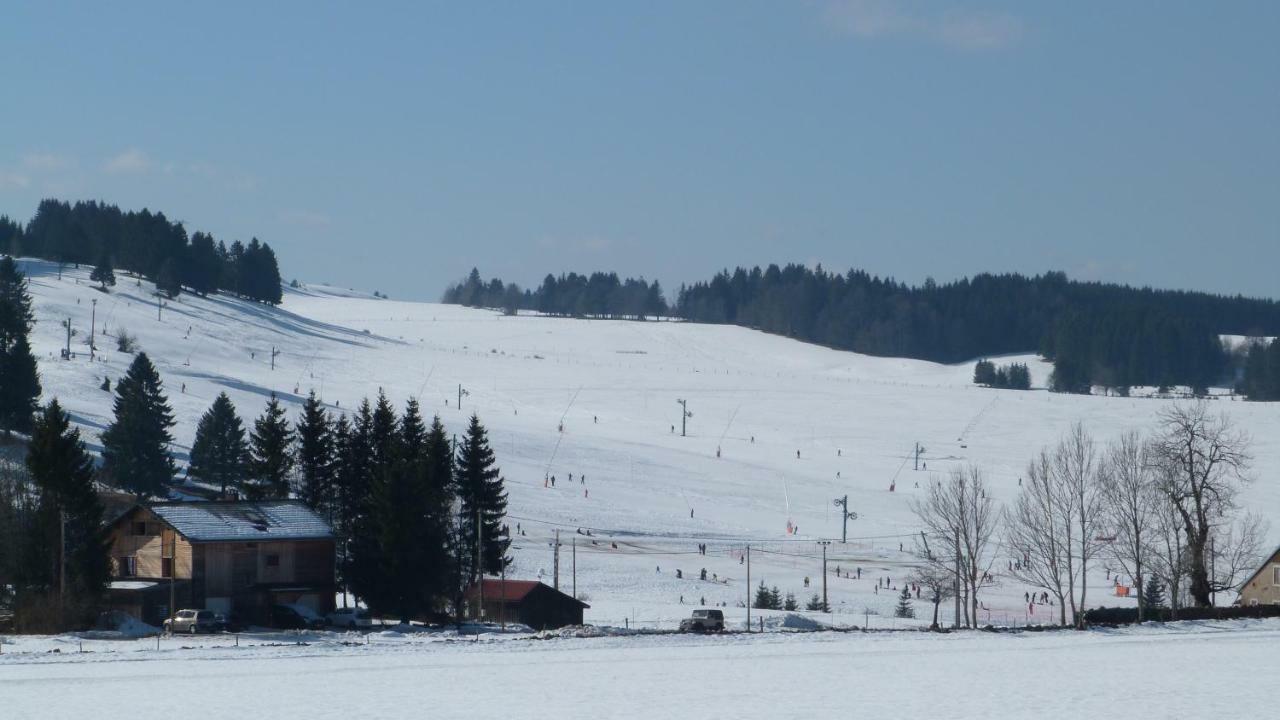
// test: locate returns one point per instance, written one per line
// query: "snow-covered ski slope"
(760, 399)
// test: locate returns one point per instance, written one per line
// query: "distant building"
(1263, 587)
(528, 602)
(236, 558)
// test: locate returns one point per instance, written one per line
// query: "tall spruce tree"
(355, 479)
(103, 273)
(19, 387)
(400, 507)
(135, 446)
(315, 457)
(219, 455)
(270, 457)
(440, 530)
(19, 377)
(483, 506)
(68, 517)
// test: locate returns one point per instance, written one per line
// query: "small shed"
(528, 602)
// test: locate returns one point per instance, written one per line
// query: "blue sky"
(394, 146)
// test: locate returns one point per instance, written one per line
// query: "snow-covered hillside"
(759, 399)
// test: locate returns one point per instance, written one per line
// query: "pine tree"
(19, 377)
(790, 603)
(19, 386)
(103, 273)
(358, 556)
(904, 608)
(401, 511)
(1153, 595)
(219, 455)
(16, 317)
(815, 604)
(440, 532)
(480, 488)
(315, 457)
(167, 280)
(763, 599)
(68, 516)
(270, 458)
(775, 599)
(135, 446)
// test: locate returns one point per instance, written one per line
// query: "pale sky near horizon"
(393, 146)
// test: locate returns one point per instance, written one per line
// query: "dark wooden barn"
(528, 602)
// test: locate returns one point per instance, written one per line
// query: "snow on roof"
(248, 521)
(130, 585)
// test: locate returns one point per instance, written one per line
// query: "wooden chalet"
(235, 558)
(528, 602)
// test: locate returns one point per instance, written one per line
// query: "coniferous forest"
(144, 243)
(572, 295)
(1096, 334)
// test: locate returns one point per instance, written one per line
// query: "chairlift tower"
(684, 415)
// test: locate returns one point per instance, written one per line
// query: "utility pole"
(957, 582)
(68, 350)
(93, 324)
(62, 564)
(843, 504)
(502, 611)
(480, 561)
(575, 568)
(159, 304)
(919, 450)
(748, 588)
(684, 415)
(461, 392)
(555, 576)
(824, 544)
(173, 574)
(274, 353)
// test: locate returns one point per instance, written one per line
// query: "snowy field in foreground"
(614, 384)
(1183, 670)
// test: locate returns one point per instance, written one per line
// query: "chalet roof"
(243, 521)
(514, 591)
(1274, 557)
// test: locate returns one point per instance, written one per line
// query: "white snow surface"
(1179, 670)
(759, 398)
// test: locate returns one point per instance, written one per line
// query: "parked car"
(295, 617)
(193, 621)
(703, 621)
(350, 618)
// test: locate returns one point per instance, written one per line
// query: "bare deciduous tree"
(937, 576)
(1131, 500)
(1075, 468)
(1204, 463)
(959, 513)
(1235, 551)
(1035, 533)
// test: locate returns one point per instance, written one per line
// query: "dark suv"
(295, 617)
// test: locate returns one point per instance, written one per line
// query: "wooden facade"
(527, 602)
(240, 578)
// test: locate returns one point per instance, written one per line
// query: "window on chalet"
(140, 528)
(126, 566)
(166, 567)
(273, 561)
(1275, 574)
